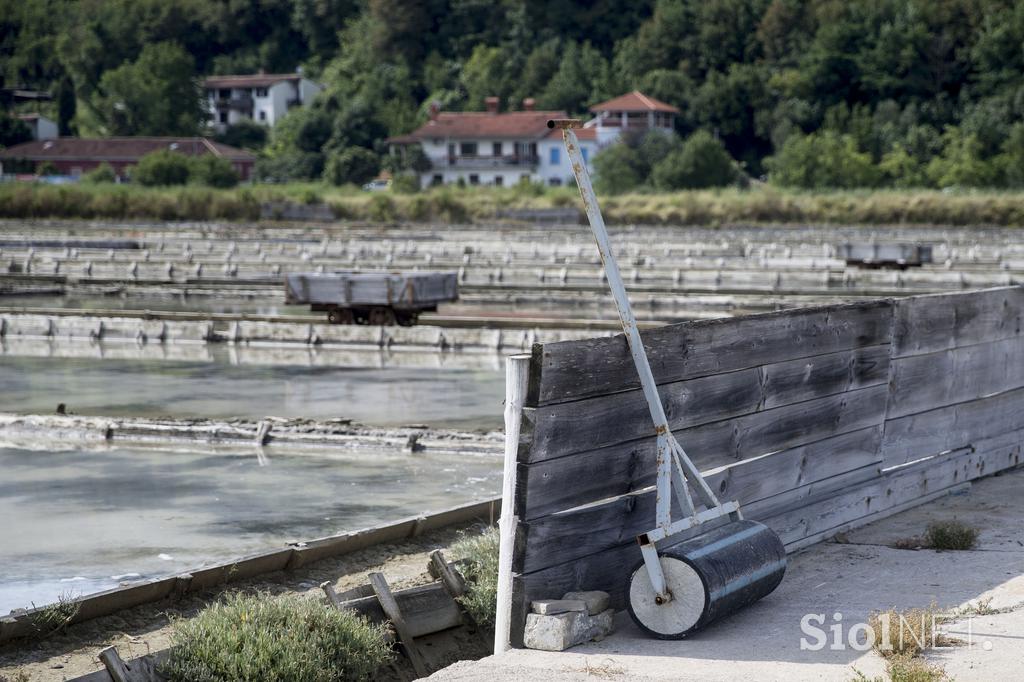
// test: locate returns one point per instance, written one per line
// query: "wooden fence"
(817, 420)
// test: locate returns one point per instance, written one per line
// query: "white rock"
(561, 631)
(596, 600)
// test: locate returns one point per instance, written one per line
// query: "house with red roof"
(77, 155)
(260, 97)
(503, 148)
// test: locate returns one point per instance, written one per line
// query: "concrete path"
(853, 577)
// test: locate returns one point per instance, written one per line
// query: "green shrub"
(101, 174)
(290, 165)
(247, 134)
(954, 535)
(212, 171)
(961, 163)
(406, 183)
(382, 209)
(355, 165)
(822, 160)
(701, 162)
(287, 639)
(480, 568)
(47, 168)
(618, 168)
(162, 168)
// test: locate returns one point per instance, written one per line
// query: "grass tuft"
(478, 553)
(288, 639)
(953, 535)
(908, 632)
(904, 668)
(56, 616)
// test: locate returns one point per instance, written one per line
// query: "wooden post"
(115, 666)
(516, 373)
(394, 614)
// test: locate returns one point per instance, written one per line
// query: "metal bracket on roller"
(676, 472)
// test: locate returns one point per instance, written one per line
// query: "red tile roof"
(120, 148)
(634, 101)
(256, 80)
(530, 125)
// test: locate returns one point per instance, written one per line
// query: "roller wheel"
(340, 316)
(675, 618)
(381, 317)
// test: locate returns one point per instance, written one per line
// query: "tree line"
(807, 93)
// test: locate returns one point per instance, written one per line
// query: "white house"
(492, 148)
(42, 127)
(262, 97)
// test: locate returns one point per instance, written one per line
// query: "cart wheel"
(340, 316)
(675, 618)
(382, 317)
(406, 319)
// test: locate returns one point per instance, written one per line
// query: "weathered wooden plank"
(574, 370)
(609, 570)
(560, 484)
(925, 382)
(394, 614)
(949, 428)
(733, 440)
(924, 324)
(572, 534)
(566, 428)
(426, 608)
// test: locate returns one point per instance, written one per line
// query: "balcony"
(487, 162)
(237, 103)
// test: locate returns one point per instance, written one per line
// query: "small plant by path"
(941, 535)
(477, 554)
(953, 535)
(56, 616)
(288, 638)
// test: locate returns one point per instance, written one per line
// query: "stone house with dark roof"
(77, 155)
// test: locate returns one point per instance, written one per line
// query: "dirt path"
(147, 628)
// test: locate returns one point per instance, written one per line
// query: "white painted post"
(516, 372)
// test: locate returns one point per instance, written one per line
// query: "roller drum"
(709, 576)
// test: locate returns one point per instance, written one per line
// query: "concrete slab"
(763, 642)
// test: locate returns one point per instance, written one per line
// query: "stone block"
(596, 600)
(561, 631)
(550, 607)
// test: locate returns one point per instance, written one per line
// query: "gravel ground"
(147, 628)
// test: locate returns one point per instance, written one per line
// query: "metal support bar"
(675, 469)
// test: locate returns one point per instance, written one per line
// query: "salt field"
(77, 521)
(378, 396)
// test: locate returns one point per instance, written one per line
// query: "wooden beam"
(925, 324)
(949, 428)
(579, 369)
(394, 614)
(427, 608)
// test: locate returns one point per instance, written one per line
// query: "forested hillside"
(905, 93)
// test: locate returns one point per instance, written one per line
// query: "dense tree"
(355, 165)
(154, 95)
(923, 91)
(700, 162)
(13, 131)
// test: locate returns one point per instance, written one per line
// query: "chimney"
(492, 104)
(529, 104)
(435, 109)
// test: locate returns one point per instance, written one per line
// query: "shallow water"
(79, 521)
(470, 398)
